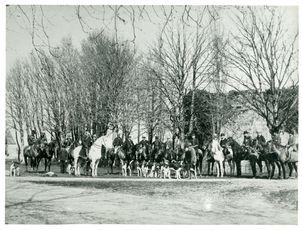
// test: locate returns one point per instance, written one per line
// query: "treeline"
(71, 91)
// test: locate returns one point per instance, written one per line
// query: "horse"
(279, 154)
(79, 161)
(292, 160)
(46, 151)
(218, 157)
(140, 160)
(126, 158)
(30, 153)
(189, 160)
(209, 158)
(263, 155)
(245, 153)
(199, 160)
(229, 158)
(96, 152)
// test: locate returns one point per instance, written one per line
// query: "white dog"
(144, 170)
(14, 169)
(167, 172)
(70, 169)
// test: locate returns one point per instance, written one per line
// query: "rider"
(283, 138)
(247, 139)
(169, 144)
(128, 144)
(94, 138)
(215, 144)
(31, 139)
(195, 144)
(143, 142)
(223, 143)
(43, 139)
(156, 145)
(110, 129)
(86, 144)
(293, 141)
(259, 141)
(117, 142)
(247, 142)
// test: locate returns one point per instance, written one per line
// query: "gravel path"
(70, 200)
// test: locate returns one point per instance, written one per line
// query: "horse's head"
(117, 149)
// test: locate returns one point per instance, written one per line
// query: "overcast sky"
(62, 21)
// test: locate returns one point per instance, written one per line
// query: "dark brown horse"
(30, 154)
(46, 152)
(189, 160)
(278, 155)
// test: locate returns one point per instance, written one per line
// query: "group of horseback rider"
(221, 143)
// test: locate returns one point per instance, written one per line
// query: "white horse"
(218, 157)
(95, 152)
(76, 156)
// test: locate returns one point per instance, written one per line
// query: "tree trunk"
(138, 130)
(20, 156)
(192, 118)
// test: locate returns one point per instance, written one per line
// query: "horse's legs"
(200, 167)
(209, 166)
(296, 169)
(212, 172)
(259, 162)
(253, 166)
(111, 165)
(37, 163)
(45, 164)
(230, 162)
(238, 167)
(76, 167)
(273, 170)
(25, 160)
(130, 171)
(279, 168)
(217, 167)
(290, 166)
(283, 170)
(92, 166)
(267, 164)
(222, 169)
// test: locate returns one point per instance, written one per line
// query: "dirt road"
(41, 200)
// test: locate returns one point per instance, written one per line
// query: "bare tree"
(181, 58)
(264, 63)
(16, 104)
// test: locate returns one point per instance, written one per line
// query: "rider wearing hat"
(247, 139)
(156, 145)
(31, 139)
(43, 139)
(223, 143)
(86, 144)
(247, 143)
(259, 141)
(143, 142)
(215, 143)
(128, 144)
(117, 142)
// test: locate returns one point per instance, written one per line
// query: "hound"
(70, 169)
(166, 172)
(14, 169)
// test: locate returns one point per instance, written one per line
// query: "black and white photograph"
(129, 114)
